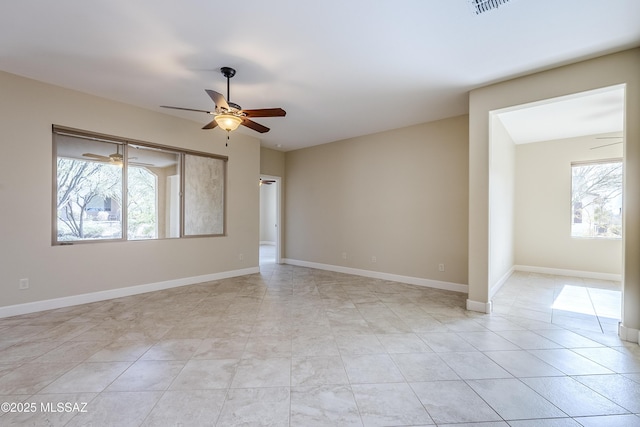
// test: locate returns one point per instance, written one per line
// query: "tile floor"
(267, 254)
(294, 346)
(572, 302)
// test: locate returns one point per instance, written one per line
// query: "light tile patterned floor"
(572, 302)
(301, 347)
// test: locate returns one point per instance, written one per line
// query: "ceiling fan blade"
(97, 157)
(265, 112)
(605, 145)
(210, 125)
(218, 99)
(253, 125)
(186, 109)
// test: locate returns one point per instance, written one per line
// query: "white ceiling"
(595, 112)
(339, 68)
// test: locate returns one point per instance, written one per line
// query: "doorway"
(270, 188)
(558, 278)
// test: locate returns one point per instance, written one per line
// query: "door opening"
(269, 220)
(550, 274)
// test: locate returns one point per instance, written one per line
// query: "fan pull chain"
(226, 144)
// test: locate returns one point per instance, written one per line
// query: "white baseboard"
(456, 287)
(628, 334)
(482, 307)
(496, 287)
(572, 273)
(32, 307)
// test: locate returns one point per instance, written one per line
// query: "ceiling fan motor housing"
(228, 72)
(234, 106)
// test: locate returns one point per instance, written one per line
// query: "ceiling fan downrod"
(228, 72)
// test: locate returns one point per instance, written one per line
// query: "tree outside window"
(596, 199)
(142, 212)
(89, 200)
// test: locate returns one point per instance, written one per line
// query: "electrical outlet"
(374, 259)
(24, 284)
(440, 267)
(240, 257)
(344, 255)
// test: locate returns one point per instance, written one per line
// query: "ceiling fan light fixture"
(228, 122)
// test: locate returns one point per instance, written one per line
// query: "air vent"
(482, 6)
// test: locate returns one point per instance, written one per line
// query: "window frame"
(125, 143)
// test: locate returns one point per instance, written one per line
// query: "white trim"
(496, 287)
(456, 287)
(482, 307)
(628, 334)
(32, 307)
(565, 272)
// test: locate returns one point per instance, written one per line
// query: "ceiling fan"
(229, 115)
(114, 158)
(607, 145)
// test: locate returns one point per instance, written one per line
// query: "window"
(596, 199)
(89, 192)
(92, 171)
(153, 183)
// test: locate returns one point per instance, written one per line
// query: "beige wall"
(543, 208)
(620, 68)
(400, 196)
(272, 162)
(27, 111)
